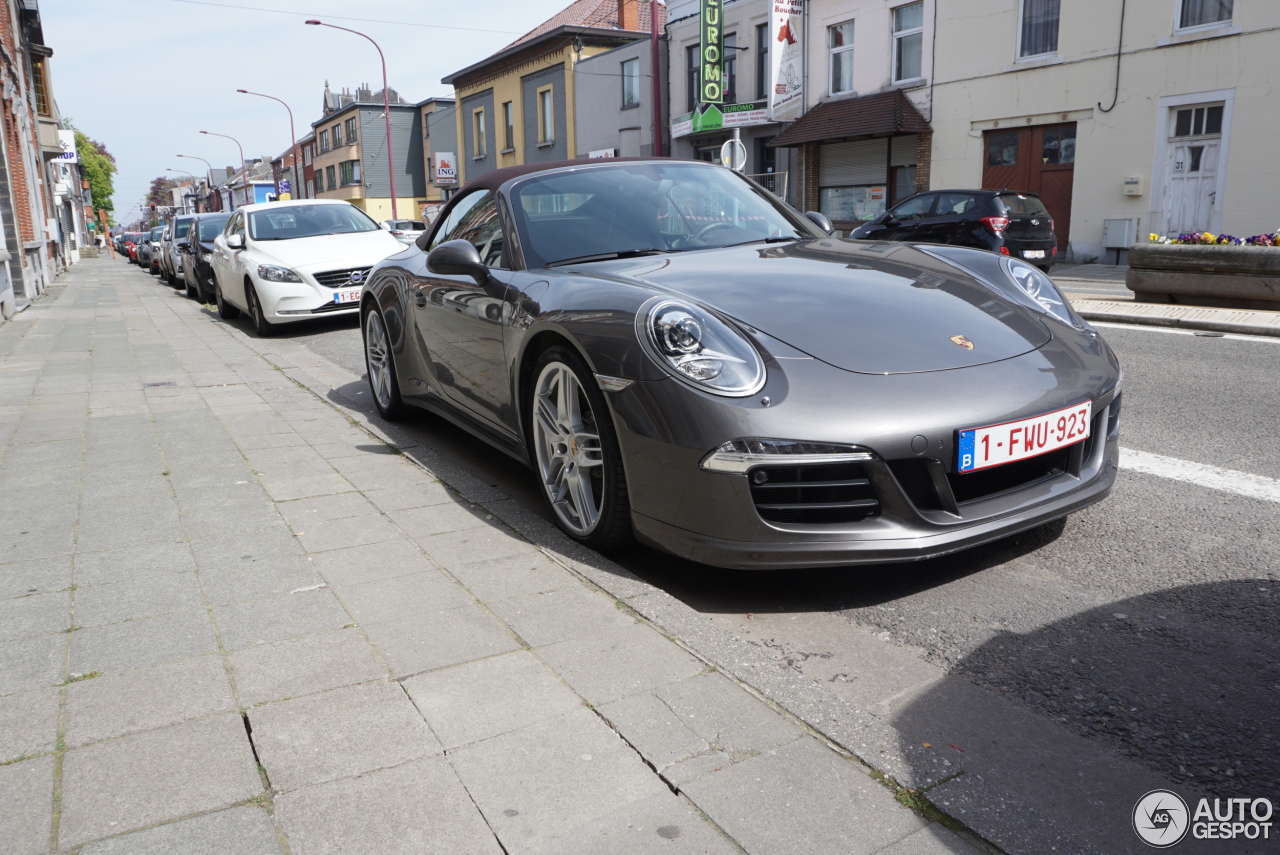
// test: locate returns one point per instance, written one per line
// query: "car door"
(954, 215)
(904, 222)
(224, 261)
(460, 321)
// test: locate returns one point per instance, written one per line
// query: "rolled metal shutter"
(904, 150)
(852, 163)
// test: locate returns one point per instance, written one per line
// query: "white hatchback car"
(289, 261)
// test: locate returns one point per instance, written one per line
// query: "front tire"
(575, 452)
(263, 327)
(226, 311)
(381, 367)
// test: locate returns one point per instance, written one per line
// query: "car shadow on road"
(1183, 682)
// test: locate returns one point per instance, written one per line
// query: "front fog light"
(739, 455)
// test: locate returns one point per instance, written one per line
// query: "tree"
(97, 165)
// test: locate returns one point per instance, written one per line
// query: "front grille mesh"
(815, 493)
(339, 278)
(972, 486)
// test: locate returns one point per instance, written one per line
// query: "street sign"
(733, 154)
(446, 169)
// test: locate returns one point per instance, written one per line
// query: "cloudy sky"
(147, 82)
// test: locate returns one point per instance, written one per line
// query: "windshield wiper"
(607, 256)
(779, 239)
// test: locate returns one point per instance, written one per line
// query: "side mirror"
(182, 244)
(820, 220)
(457, 258)
(235, 241)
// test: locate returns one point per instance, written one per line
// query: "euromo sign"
(711, 73)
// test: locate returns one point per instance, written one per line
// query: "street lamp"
(386, 110)
(244, 170)
(293, 135)
(195, 182)
(208, 165)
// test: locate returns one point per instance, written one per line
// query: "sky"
(147, 82)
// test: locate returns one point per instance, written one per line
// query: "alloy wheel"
(377, 353)
(566, 440)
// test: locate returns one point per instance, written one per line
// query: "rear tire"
(575, 452)
(226, 311)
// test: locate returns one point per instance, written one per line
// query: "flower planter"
(1233, 277)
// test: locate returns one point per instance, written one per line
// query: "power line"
(345, 18)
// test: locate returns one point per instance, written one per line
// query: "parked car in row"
(170, 257)
(129, 247)
(405, 231)
(1013, 224)
(150, 253)
(717, 376)
(197, 252)
(289, 261)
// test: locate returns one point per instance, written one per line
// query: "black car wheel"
(226, 311)
(261, 325)
(193, 291)
(381, 367)
(575, 452)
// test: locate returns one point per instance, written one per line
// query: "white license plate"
(1033, 253)
(984, 447)
(349, 296)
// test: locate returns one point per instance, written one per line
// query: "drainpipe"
(657, 78)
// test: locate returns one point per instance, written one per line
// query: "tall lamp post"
(194, 182)
(244, 170)
(207, 164)
(293, 135)
(386, 110)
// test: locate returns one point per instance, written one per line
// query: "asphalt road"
(1148, 624)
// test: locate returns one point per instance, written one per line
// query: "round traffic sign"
(733, 154)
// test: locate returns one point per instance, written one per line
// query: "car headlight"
(1043, 294)
(739, 455)
(699, 348)
(275, 273)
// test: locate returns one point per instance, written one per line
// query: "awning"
(880, 115)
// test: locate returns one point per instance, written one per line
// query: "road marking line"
(1227, 480)
(1113, 325)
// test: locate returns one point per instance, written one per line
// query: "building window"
(478, 145)
(39, 85)
(631, 83)
(908, 40)
(692, 61)
(509, 126)
(730, 68)
(350, 171)
(1203, 13)
(311, 189)
(762, 62)
(351, 130)
(840, 42)
(331, 177)
(337, 135)
(306, 155)
(546, 116)
(1198, 121)
(324, 141)
(1039, 30)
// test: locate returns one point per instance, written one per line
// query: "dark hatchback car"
(196, 252)
(1013, 224)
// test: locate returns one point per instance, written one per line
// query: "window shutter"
(853, 163)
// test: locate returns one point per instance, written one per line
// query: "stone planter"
(1233, 277)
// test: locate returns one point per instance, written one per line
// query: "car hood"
(873, 308)
(327, 252)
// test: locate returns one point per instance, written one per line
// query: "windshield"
(299, 221)
(1017, 203)
(180, 228)
(157, 232)
(651, 207)
(212, 227)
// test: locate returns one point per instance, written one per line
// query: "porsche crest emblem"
(962, 342)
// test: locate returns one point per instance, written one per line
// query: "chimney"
(629, 15)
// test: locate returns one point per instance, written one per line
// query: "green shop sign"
(712, 117)
(710, 72)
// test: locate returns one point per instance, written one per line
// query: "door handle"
(420, 299)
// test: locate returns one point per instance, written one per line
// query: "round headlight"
(699, 348)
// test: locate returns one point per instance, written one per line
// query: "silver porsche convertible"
(685, 361)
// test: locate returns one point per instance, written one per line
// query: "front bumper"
(665, 428)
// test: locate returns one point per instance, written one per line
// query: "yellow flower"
(1153, 237)
(1209, 238)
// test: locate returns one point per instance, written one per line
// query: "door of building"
(1191, 169)
(1040, 159)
